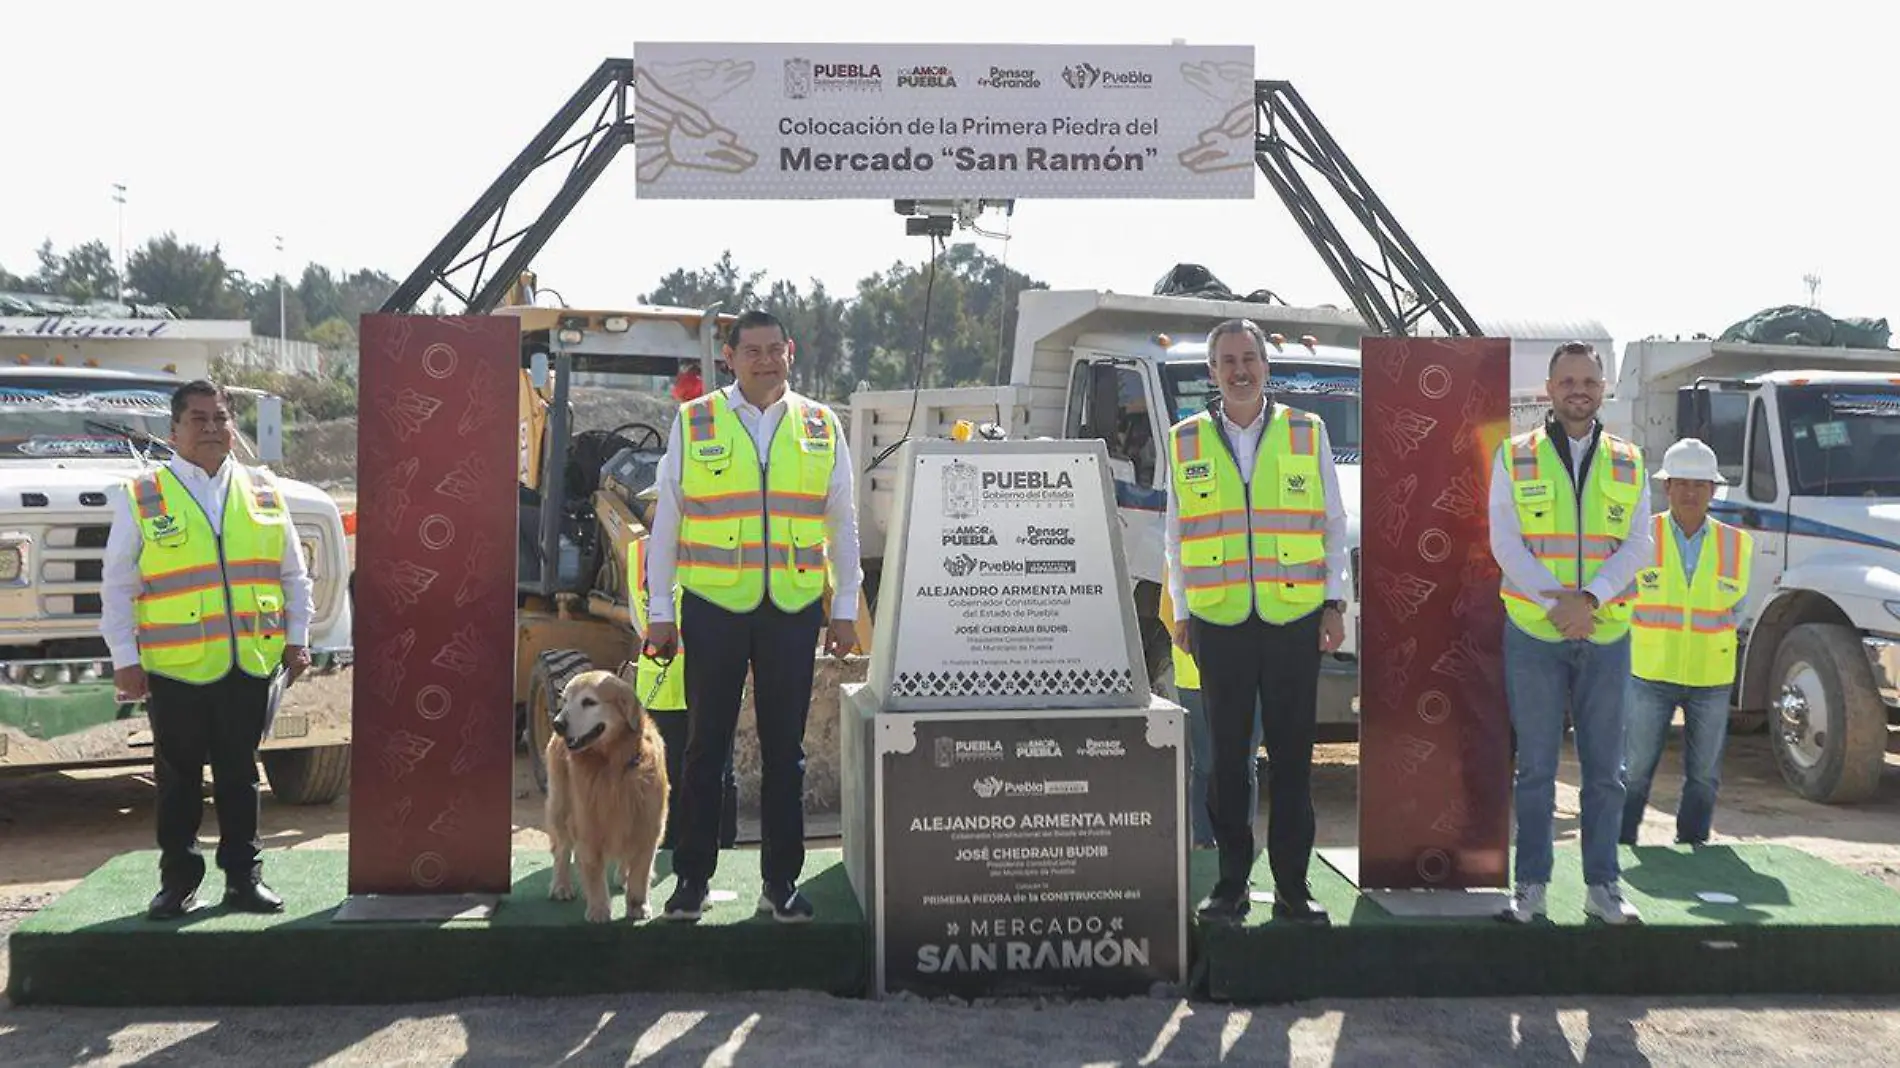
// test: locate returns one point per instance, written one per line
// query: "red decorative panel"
(433, 717)
(1435, 733)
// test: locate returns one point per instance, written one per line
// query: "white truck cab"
(63, 446)
(1810, 447)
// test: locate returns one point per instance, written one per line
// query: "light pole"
(283, 325)
(118, 195)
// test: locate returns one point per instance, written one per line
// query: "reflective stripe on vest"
(1254, 547)
(1685, 630)
(671, 695)
(206, 601)
(1569, 537)
(743, 532)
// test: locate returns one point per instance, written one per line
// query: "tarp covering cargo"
(1792, 324)
(1194, 280)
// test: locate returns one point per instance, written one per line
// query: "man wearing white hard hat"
(1683, 642)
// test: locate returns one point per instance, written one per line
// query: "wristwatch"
(1336, 605)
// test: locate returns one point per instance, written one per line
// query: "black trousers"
(221, 723)
(778, 648)
(673, 726)
(1278, 665)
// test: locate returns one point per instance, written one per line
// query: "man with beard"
(1570, 527)
(1256, 555)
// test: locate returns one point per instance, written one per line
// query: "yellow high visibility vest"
(1256, 547)
(742, 532)
(206, 601)
(1684, 631)
(671, 695)
(1548, 513)
(1187, 673)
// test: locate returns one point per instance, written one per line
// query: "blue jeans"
(1541, 680)
(1704, 730)
(1201, 768)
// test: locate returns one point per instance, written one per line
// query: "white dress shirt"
(1524, 570)
(120, 583)
(841, 513)
(1246, 441)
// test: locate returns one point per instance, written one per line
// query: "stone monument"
(1013, 801)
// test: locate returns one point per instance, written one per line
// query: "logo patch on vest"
(1197, 472)
(1728, 585)
(1533, 491)
(1650, 578)
(709, 452)
(1618, 513)
(1296, 483)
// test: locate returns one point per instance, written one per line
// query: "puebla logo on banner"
(741, 121)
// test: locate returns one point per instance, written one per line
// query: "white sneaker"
(1526, 903)
(1606, 903)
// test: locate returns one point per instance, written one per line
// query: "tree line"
(873, 337)
(870, 337)
(321, 306)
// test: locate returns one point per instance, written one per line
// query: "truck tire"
(315, 776)
(552, 670)
(1827, 724)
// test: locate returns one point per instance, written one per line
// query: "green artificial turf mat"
(94, 946)
(1798, 925)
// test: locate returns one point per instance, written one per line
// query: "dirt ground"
(56, 828)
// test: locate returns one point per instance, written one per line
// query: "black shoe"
(252, 897)
(785, 903)
(172, 902)
(1227, 904)
(688, 900)
(1301, 910)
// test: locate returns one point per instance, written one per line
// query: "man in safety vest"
(661, 687)
(1570, 526)
(755, 511)
(1687, 611)
(1255, 542)
(204, 598)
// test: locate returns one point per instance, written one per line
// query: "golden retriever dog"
(606, 793)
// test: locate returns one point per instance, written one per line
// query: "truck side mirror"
(270, 429)
(1694, 413)
(538, 369)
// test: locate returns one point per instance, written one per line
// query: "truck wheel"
(1827, 726)
(307, 776)
(552, 669)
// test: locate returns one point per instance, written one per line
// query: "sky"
(1662, 168)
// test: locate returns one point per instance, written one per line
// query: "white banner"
(938, 121)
